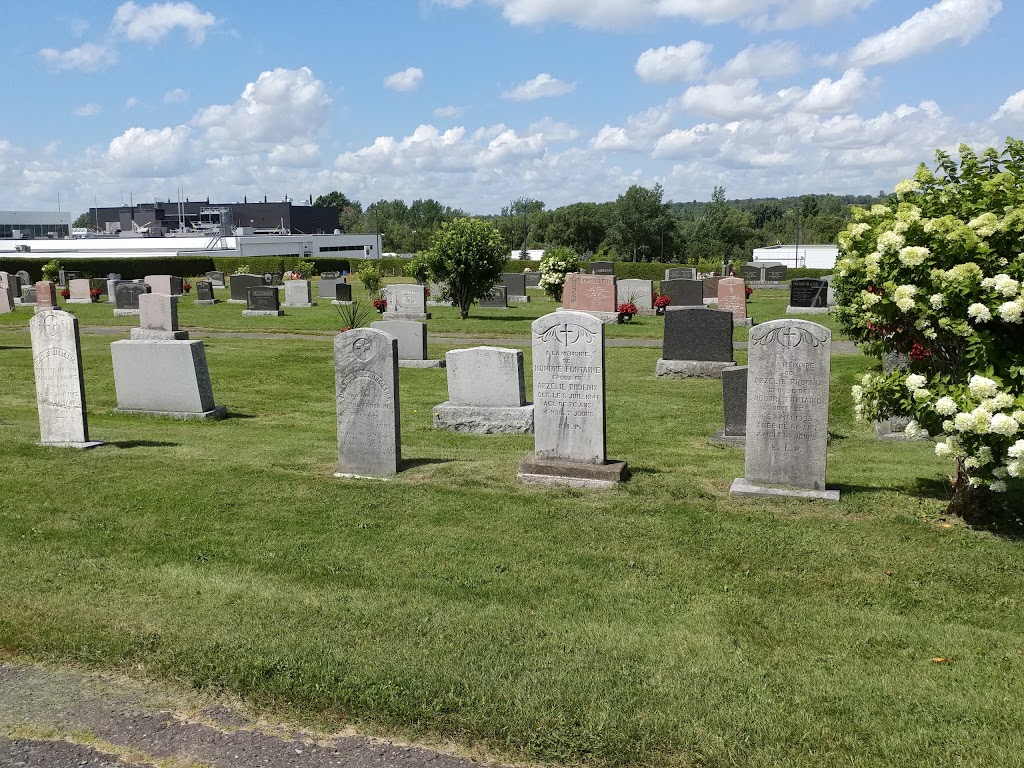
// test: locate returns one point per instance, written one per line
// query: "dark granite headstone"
(684, 293)
(515, 283)
(698, 334)
(204, 290)
(330, 275)
(216, 277)
(532, 279)
(28, 294)
(680, 273)
(342, 291)
(776, 273)
(126, 295)
(808, 292)
(240, 285)
(752, 273)
(734, 400)
(67, 275)
(496, 299)
(600, 268)
(263, 299)
(711, 286)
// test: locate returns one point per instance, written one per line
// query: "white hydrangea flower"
(1006, 285)
(1013, 469)
(914, 255)
(915, 381)
(1004, 425)
(870, 299)
(890, 241)
(858, 229)
(904, 295)
(981, 421)
(971, 463)
(937, 300)
(997, 486)
(979, 312)
(981, 386)
(915, 430)
(999, 472)
(879, 210)
(1016, 450)
(858, 392)
(1011, 312)
(905, 187)
(946, 406)
(1003, 400)
(948, 426)
(921, 395)
(985, 225)
(867, 379)
(963, 422)
(984, 455)
(1018, 416)
(942, 450)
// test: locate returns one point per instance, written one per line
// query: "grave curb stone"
(484, 420)
(691, 369)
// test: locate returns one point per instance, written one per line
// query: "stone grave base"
(571, 474)
(79, 446)
(237, 301)
(147, 334)
(808, 310)
(888, 430)
(304, 304)
(484, 420)
(336, 303)
(79, 301)
(691, 369)
(168, 378)
(518, 299)
(605, 317)
(709, 302)
(769, 286)
(350, 476)
(126, 313)
(744, 321)
(420, 318)
(206, 302)
(262, 313)
(720, 438)
(437, 303)
(741, 487)
(217, 412)
(421, 363)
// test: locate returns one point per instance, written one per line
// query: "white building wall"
(812, 256)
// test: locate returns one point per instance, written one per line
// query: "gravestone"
(681, 273)
(640, 292)
(412, 342)
(683, 293)
(126, 298)
(808, 296)
(67, 275)
(46, 295)
(80, 288)
(158, 318)
(497, 298)
(169, 285)
(205, 296)
(787, 411)
(6, 294)
(710, 285)
(894, 428)
(298, 293)
(830, 294)
(697, 344)
(112, 284)
(734, 404)
(775, 273)
(569, 404)
(602, 268)
(273, 278)
(406, 302)
(366, 391)
(28, 295)
(11, 283)
(515, 287)
(752, 273)
(486, 393)
(216, 277)
(732, 297)
(329, 276)
(60, 388)
(240, 285)
(532, 279)
(342, 293)
(24, 277)
(590, 293)
(263, 301)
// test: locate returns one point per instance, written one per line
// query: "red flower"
(917, 352)
(380, 304)
(661, 300)
(628, 308)
(66, 293)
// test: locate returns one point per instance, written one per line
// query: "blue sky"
(476, 102)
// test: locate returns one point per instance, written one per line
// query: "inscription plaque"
(808, 292)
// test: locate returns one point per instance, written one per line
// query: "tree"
(468, 255)
(83, 221)
(639, 220)
(936, 275)
(349, 211)
(580, 226)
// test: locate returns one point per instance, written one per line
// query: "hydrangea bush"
(936, 275)
(556, 264)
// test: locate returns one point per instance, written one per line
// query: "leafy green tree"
(580, 226)
(371, 278)
(467, 254)
(83, 221)
(640, 217)
(418, 269)
(349, 211)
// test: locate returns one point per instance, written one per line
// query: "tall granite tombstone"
(775, 273)
(681, 273)
(752, 273)
(808, 296)
(80, 288)
(515, 287)
(342, 293)
(412, 342)
(60, 387)
(532, 279)
(406, 302)
(6, 294)
(205, 296)
(734, 404)
(486, 393)
(46, 295)
(126, 299)
(298, 293)
(683, 293)
(240, 285)
(640, 292)
(496, 298)
(590, 293)
(732, 297)
(216, 277)
(366, 391)
(263, 301)
(697, 344)
(787, 411)
(569, 405)
(168, 285)
(602, 268)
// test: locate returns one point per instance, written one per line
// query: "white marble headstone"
(60, 388)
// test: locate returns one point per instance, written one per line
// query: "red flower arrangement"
(661, 300)
(627, 308)
(186, 287)
(65, 293)
(426, 292)
(95, 294)
(380, 305)
(749, 291)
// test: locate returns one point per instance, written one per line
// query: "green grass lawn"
(663, 623)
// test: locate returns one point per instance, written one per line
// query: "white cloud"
(733, 101)
(946, 21)
(131, 102)
(295, 155)
(766, 61)
(160, 152)
(1012, 108)
(88, 57)
(674, 63)
(553, 131)
(680, 142)
(284, 106)
(87, 110)
(831, 97)
(449, 111)
(152, 23)
(542, 86)
(176, 96)
(408, 79)
(613, 139)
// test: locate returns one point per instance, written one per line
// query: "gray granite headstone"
(6, 295)
(262, 300)
(680, 273)
(60, 387)
(787, 410)
(497, 298)
(342, 292)
(158, 318)
(640, 292)
(28, 294)
(216, 277)
(411, 335)
(515, 283)
(775, 273)
(406, 302)
(683, 293)
(366, 389)
(240, 285)
(734, 400)
(298, 293)
(486, 393)
(532, 279)
(24, 277)
(126, 297)
(752, 273)
(169, 285)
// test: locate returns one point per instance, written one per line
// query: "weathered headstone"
(205, 296)
(569, 408)
(24, 277)
(406, 302)
(169, 285)
(894, 428)
(273, 278)
(28, 295)
(486, 393)
(6, 294)
(734, 404)
(808, 296)
(680, 273)
(12, 284)
(366, 389)
(412, 342)
(112, 284)
(640, 292)
(683, 293)
(329, 276)
(497, 298)
(787, 411)
(240, 285)
(602, 268)
(298, 293)
(697, 344)
(732, 297)
(46, 295)
(60, 387)
(263, 301)
(590, 293)
(216, 277)
(80, 288)
(126, 298)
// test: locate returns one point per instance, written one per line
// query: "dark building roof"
(304, 219)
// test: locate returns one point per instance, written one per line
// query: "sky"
(479, 102)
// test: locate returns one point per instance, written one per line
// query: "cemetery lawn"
(663, 623)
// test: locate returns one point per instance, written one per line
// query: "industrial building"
(158, 218)
(32, 225)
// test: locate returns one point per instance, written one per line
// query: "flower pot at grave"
(659, 310)
(625, 317)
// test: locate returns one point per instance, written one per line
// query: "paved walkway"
(56, 719)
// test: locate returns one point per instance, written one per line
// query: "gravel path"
(56, 719)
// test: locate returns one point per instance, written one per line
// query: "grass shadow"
(142, 444)
(413, 463)
(5, 349)
(233, 415)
